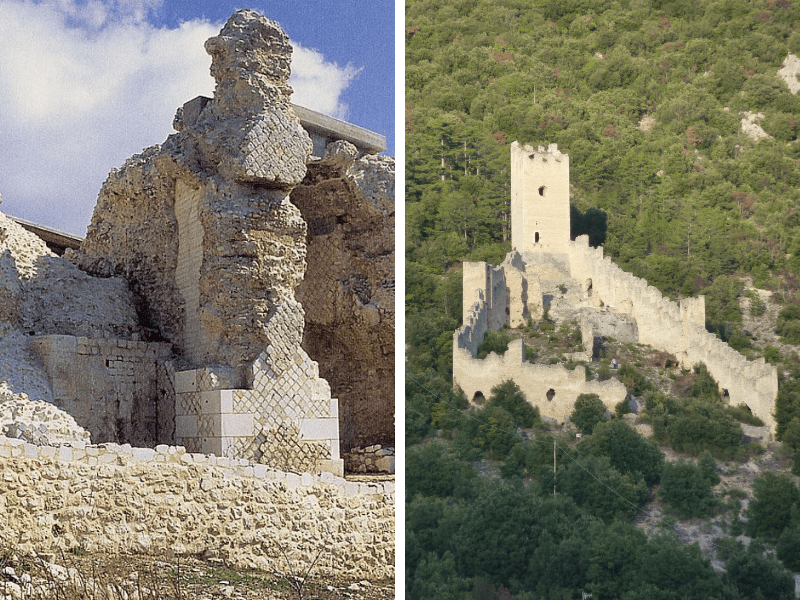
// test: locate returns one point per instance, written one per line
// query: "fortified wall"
(575, 281)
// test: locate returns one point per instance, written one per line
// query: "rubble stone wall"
(125, 499)
(108, 386)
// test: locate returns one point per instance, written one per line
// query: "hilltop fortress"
(576, 282)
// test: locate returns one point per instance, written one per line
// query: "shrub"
(508, 396)
(633, 380)
(743, 414)
(704, 426)
(628, 451)
(756, 575)
(623, 407)
(788, 547)
(704, 385)
(685, 489)
(495, 341)
(769, 512)
(600, 489)
(772, 355)
(431, 471)
(787, 325)
(589, 411)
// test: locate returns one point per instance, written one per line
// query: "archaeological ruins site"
(545, 269)
(197, 375)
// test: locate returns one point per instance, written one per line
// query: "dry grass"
(102, 576)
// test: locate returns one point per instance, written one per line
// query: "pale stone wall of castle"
(165, 500)
(535, 380)
(540, 218)
(678, 329)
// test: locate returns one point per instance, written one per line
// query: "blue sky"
(84, 84)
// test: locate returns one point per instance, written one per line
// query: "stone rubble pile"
(41, 293)
(372, 459)
(37, 422)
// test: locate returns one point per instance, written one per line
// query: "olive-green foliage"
(589, 411)
(488, 431)
(494, 341)
(430, 403)
(509, 397)
(429, 337)
(432, 471)
(769, 512)
(708, 468)
(492, 429)
(756, 575)
(743, 414)
(633, 380)
(600, 489)
(534, 458)
(685, 489)
(627, 451)
(704, 385)
(705, 426)
(623, 407)
(788, 546)
(787, 324)
(787, 405)
(772, 355)
(701, 423)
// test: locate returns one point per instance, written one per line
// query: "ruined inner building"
(249, 262)
(545, 269)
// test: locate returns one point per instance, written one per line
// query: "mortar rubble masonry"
(223, 290)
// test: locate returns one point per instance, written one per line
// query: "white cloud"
(317, 83)
(84, 85)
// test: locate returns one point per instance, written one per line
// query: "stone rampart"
(677, 328)
(165, 500)
(551, 388)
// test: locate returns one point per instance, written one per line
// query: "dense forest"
(648, 99)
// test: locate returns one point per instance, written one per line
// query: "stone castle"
(545, 269)
(223, 332)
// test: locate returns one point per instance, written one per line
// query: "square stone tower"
(540, 219)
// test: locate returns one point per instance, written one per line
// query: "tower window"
(536, 238)
(541, 190)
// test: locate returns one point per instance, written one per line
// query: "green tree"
(755, 575)
(589, 411)
(509, 397)
(769, 512)
(685, 490)
(629, 452)
(431, 471)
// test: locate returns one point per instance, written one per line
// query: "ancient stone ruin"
(545, 269)
(242, 269)
(183, 379)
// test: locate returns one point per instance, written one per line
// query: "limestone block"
(220, 401)
(186, 426)
(185, 381)
(319, 429)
